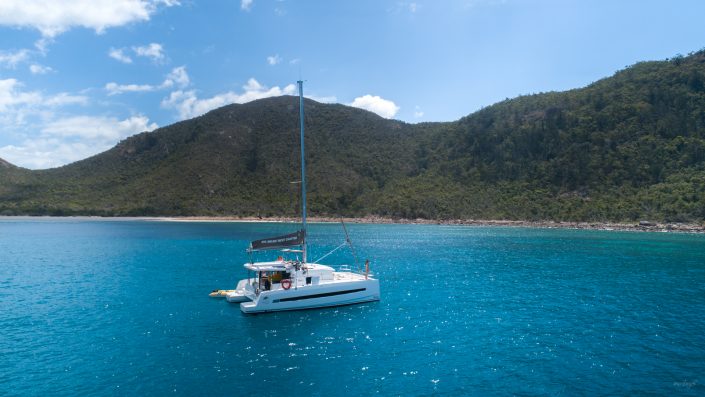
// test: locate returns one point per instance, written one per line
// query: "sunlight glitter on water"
(123, 306)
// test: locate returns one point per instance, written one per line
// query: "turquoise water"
(121, 308)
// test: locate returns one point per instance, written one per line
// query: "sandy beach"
(643, 226)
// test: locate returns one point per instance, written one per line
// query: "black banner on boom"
(288, 240)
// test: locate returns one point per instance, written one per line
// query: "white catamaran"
(294, 284)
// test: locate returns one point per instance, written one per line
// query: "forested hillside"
(628, 147)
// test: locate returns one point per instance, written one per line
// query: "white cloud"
(294, 61)
(246, 5)
(45, 153)
(36, 68)
(119, 54)
(382, 107)
(11, 96)
(413, 7)
(418, 113)
(65, 99)
(12, 59)
(53, 17)
(66, 140)
(19, 109)
(274, 59)
(188, 105)
(322, 99)
(155, 51)
(98, 128)
(168, 3)
(254, 90)
(52, 138)
(177, 77)
(115, 88)
(42, 44)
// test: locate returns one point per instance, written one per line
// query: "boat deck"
(347, 276)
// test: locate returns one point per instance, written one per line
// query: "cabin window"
(277, 277)
(308, 280)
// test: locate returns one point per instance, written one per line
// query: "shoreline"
(642, 226)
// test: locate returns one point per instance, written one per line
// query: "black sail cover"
(288, 240)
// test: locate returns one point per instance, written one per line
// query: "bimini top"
(273, 266)
(282, 265)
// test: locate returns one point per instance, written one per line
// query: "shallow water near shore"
(97, 307)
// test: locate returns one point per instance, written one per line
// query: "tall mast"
(303, 166)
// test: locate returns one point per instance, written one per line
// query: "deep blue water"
(121, 308)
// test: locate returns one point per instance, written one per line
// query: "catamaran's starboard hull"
(314, 296)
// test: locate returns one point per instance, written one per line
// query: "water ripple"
(99, 307)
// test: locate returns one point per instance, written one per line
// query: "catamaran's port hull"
(240, 294)
(236, 297)
(315, 296)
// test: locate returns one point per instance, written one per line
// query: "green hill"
(631, 146)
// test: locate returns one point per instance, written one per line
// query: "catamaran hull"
(236, 297)
(240, 294)
(312, 297)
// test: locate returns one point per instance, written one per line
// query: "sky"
(78, 76)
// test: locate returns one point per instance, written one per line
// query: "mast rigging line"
(334, 249)
(349, 242)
